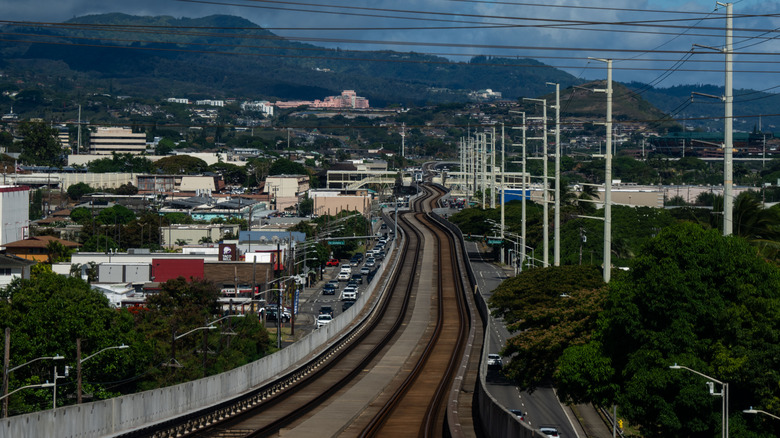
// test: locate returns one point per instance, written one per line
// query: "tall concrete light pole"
(557, 216)
(608, 176)
(728, 147)
(545, 183)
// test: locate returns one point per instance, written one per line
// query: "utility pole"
(493, 169)
(78, 139)
(728, 147)
(403, 140)
(608, 177)
(503, 201)
(545, 184)
(557, 217)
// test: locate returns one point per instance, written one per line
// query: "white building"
(106, 140)
(262, 106)
(210, 102)
(12, 267)
(178, 100)
(14, 213)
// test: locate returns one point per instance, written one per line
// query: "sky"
(650, 41)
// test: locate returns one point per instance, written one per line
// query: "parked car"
(551, 432)
(324, 319)
(332, 262)
(494, 361)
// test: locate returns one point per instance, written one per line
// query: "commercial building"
(286, 189)
(14, 213)
(332, 202)
(107, 140)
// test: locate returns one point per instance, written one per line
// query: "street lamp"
(758, 411)
(80, 361)
(723, 393)
(173, 362)
(10, 370)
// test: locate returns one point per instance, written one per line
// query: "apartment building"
(106, 140)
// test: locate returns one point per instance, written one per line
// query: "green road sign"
(495, 242)
(336, 242)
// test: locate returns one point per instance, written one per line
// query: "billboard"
(228, 252)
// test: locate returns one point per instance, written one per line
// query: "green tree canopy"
(180, 165)
(46, 315)
(76, 191)
(283, 166)
(118, 214)
(549, 309)
(40, 146)
(121, 163)
(695, 298)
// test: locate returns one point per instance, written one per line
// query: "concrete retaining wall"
(124, 414)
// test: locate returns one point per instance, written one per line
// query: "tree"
(81, 215)
(126, 189)
(76, 191)
(46, 314)
(40, 146)
(549, 309)
(118, 214)
(283, 166)
(180, 165)
(695, 298)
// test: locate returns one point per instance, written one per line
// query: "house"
(13, 267)
(35, 248)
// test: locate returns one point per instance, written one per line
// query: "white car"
(494, 361)
(324, 319)
(349, 293)
(344, 276)
(551, 432)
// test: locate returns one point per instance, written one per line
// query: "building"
(347, 99)
(332, 202)
(286, 189)
(262, 106)
(14, 213)
(35, 248)
(193, 234)
(12, 267)
(107, 140)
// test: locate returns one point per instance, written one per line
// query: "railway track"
(423, 309)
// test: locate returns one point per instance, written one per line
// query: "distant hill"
(226, 56)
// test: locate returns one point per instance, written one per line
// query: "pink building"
(347, 99)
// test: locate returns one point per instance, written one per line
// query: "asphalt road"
(542, 406)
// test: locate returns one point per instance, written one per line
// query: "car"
(324, 319)
(365, 270)
(357, 278)
(326, 310)
(333, 262)
(347, 304)
(344, 276)
(494, 361)
(384, 226)
(329, 289)
(550, 432)
(358, 256)
(349, 294)
(380, 255)
(271, 315)
(519, 414)
(370, 262)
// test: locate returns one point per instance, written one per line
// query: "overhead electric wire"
(132, 28)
